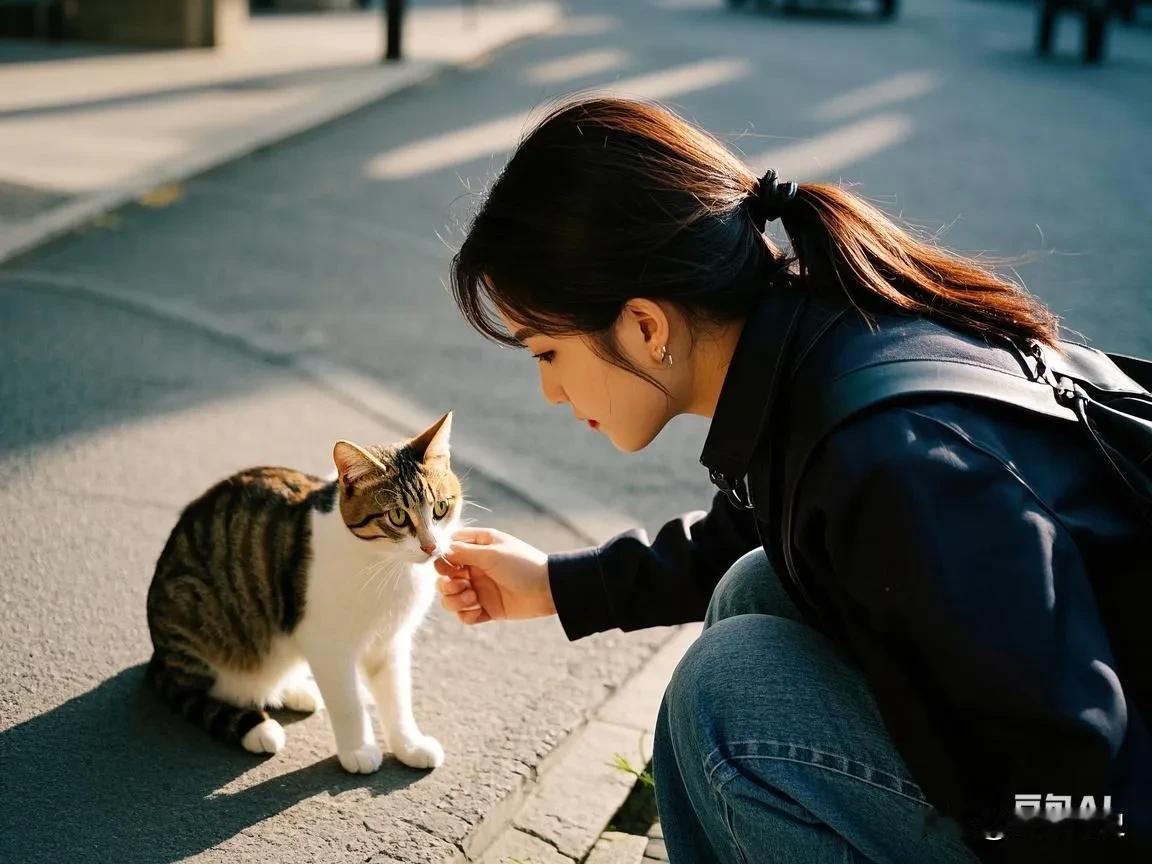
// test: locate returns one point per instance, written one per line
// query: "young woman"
(921, 643)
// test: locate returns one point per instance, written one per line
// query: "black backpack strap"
(1136, 368)
(888, 382)
(883, 382)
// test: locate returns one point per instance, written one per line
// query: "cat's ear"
(433, 441)
(353, 462)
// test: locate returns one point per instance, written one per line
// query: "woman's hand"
(490, 575)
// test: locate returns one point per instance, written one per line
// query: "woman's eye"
(545, 356)
(440, 509)
(398, 517)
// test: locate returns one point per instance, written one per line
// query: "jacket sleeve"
(631, 583)
(968, 605)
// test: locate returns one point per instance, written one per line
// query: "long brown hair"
(610, 199)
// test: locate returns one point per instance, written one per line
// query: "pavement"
(113, 419)
(136, 406)
(85, 128)
(256, 311)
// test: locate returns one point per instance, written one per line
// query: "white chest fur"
(362, 605)
(358, 589)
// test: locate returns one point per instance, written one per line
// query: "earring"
(665, 357)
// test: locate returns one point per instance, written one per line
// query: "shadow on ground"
(113, 775)
(71, 363)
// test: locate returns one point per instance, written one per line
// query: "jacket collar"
(765, 356)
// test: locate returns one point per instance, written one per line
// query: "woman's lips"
(592, 424)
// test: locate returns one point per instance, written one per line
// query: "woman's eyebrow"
(525, 333)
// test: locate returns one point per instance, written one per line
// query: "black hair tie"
(772, 199)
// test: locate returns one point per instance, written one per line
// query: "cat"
(274, 572)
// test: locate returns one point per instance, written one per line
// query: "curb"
(578, 789)
(559, 813)
(60, 220)
(359, 94)
(585, 516)
(582, 514)
(616, 848)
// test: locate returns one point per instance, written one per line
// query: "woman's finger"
(448, 587)
(464, 553)
(473, 616)
(446, 568)
(461, 602)
(479, 536)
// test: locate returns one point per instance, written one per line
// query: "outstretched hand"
(491, 576)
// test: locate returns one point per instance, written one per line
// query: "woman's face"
(609, 400)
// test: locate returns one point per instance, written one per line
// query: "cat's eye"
(398, 516)
(440, 509)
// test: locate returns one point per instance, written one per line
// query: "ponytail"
(609, 199)
(839, 236)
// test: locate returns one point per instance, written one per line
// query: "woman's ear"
(646, 326)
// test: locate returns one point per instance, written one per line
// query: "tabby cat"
(273, 572)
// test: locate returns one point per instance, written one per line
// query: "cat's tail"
(188, 693)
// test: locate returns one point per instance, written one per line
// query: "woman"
(939, 649)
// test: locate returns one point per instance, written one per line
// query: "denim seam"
(898, 781)
(727, 811)
(833, 771)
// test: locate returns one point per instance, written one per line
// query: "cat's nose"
(427, 550)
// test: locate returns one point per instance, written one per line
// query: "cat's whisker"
(388, 573)
(375, 571)
(369, 581)
(393, 576)
(474, 504)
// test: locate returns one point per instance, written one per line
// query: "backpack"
(1107, 396)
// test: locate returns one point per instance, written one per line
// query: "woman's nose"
(553, 392)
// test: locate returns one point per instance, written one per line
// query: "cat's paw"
(363, 760)
(303, 696)
(420, 752)
(268, 737)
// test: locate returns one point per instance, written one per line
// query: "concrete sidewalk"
(120, 408)
(86, 128)
(116, 416)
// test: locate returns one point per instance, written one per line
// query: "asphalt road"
(337, 242)
(114, 420)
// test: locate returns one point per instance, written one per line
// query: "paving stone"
(517, 847)
(638, 703)
(95, 397)
(615, 847)
(655, 850)
(578, 797)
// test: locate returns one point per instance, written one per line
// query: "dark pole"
(393, 24)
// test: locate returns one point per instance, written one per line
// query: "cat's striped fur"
(274, 571)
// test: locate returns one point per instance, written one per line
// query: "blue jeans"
(770, 748)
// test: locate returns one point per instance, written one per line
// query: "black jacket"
(969, 555)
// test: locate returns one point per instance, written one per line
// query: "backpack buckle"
(1068, 392)
(1037, 352)
(736, 490)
